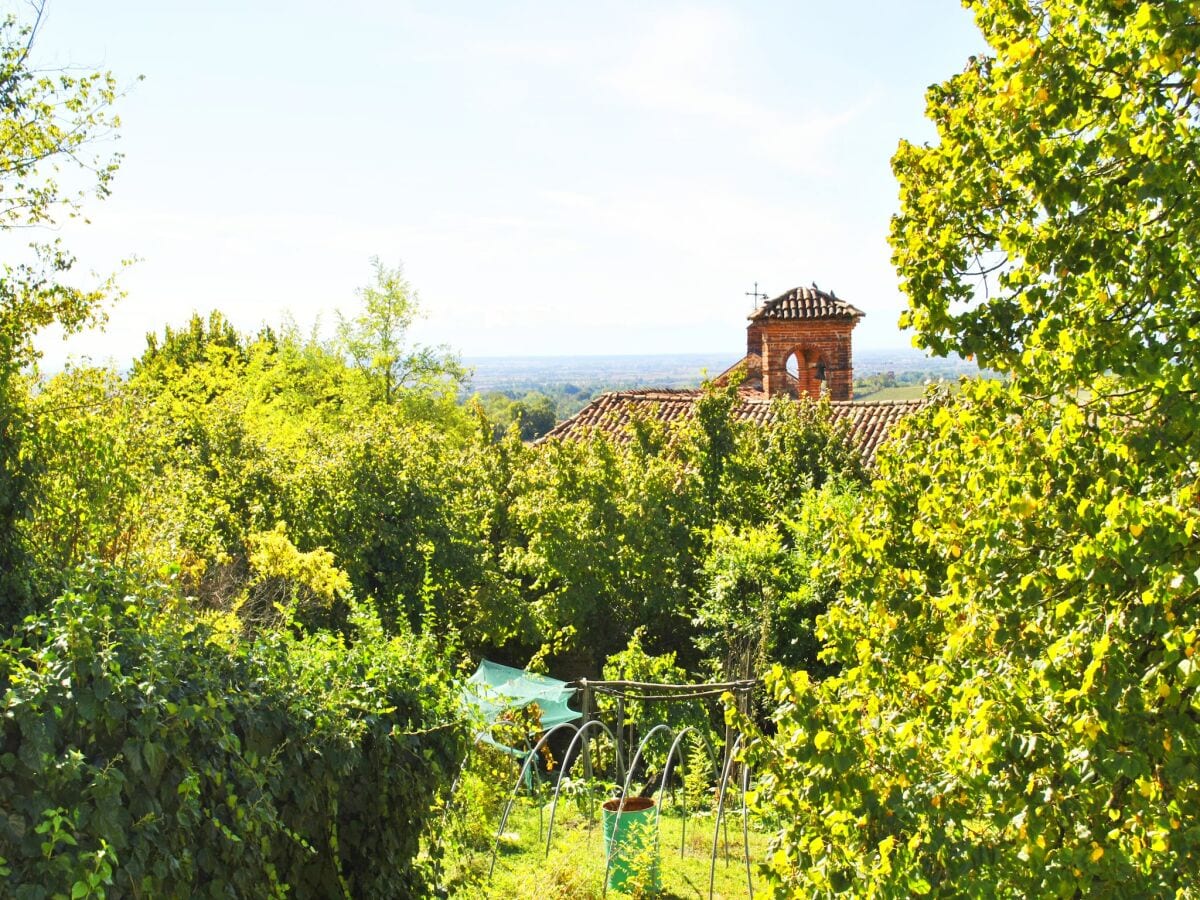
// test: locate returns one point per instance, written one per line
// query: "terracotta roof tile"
(869, 421)
(807, 303)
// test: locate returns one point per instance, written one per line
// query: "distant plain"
(517, 374)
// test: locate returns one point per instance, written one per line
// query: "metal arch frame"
(672, 753)
(712, 870)
(712, 758)
(674, 756)
(566, 766)
(516, 787)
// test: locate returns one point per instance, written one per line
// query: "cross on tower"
(755, 295)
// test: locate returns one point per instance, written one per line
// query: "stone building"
(797, 344)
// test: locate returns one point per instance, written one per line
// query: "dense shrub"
(145, 753)
(1015, 712)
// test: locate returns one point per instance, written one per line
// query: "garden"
(516, 815)
(246, 577)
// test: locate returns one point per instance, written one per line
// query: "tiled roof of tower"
(869, 421)
(807, 303)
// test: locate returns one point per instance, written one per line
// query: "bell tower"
(802, 341)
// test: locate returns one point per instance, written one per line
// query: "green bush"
(145, 752)
(1014, 708)
(636, 663)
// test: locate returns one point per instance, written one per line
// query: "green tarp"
(494, 688)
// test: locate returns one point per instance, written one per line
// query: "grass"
(574, 869)
(900, 392)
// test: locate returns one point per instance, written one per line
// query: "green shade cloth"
(494, 688)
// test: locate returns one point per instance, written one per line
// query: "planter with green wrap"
(631, 843)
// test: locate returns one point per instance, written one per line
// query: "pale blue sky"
(556, 178)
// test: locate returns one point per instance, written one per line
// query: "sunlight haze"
(556, 179)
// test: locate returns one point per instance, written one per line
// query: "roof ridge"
(895, 401)
(807, 303)
(654, 392)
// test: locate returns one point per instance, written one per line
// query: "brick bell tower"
(802, 341)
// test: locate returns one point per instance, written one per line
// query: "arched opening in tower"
(807, 372)
(794, 365)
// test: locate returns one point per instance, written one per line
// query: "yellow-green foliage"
(51, 158)
(273, 555)
(1050, 230)
(1015, 711)
(215, 438)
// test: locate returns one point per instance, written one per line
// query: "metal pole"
(620, 733)
(587, 717)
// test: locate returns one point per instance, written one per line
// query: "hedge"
(145, 754)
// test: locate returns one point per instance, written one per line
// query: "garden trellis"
(556, 721)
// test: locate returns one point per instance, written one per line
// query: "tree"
(759, 601)
(1015, 711)
(376, 339)
(50, 124)
(745, 583)
(1015, 708)
(534, 413)
(1052, 231)
(608, 541)
(180, 349)
(94, 452)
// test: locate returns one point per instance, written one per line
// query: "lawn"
(899, 392)
(574, 869)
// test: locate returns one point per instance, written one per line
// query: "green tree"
(607, 539)
(771, 472)
(534, 415)
(376, 339)
(50, 124)
(760, 600)
(744, 572)
(179, 349)
(1015, 708)
(1051, 230)
(94, 453)
(614, 531)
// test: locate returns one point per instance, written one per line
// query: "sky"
(555, 178)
